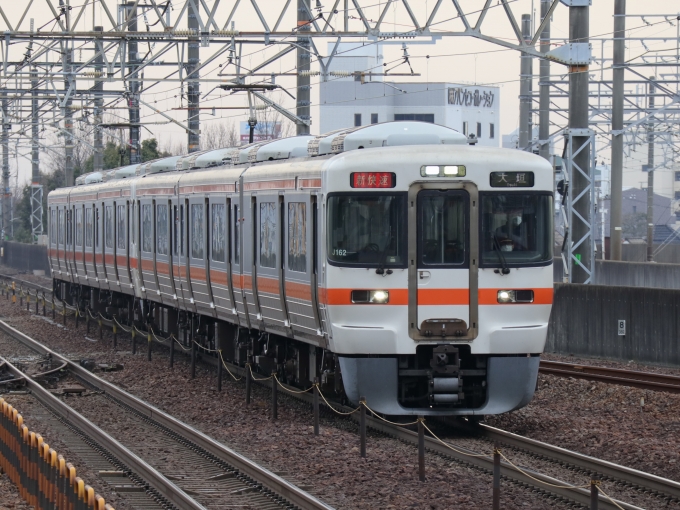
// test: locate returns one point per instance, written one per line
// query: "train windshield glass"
(367, 230)
(516, 229)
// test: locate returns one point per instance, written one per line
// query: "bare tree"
(218, 135)
(173, 147)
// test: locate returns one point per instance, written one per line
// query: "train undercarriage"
(437, 377)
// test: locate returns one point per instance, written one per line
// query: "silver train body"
(394, 262)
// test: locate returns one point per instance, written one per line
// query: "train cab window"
(268, 234)
(297, 236)
(89, 231)
(121, 226)
(108, 227)
(219, 233)
(197, 228)
(147, 228)
(237, 237)
(367, 230)
(517, 229)
(79, 226)
(162, 229)
(61, 226)
(442, 236)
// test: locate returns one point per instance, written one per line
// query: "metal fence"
(586, 321)
(25, 257)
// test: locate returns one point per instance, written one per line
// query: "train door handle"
(424, 275)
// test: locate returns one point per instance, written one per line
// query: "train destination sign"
(512, 179)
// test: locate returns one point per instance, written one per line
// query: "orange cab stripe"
(541, 296)
(443, 297)
(344, 296)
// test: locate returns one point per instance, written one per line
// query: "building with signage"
(357, 94)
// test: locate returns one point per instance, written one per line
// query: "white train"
(397, 261)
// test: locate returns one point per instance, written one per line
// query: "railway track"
(666, 490)
(633, 378)
(209, 475)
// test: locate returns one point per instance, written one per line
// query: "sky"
(451, 59)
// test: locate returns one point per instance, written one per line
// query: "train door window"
(79, 226)
(121, 227)
(297, 236)
(181, 229)
(147, 228)
(175, 228)
(89, 234)
(268, 234)
(96, 226)
(442, 239)
(69, 228)
(237, 237)
(108, 227)
(61, 226)
(197, 229)
(162, 229)
(219, 233)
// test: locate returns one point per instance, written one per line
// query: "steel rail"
(530, 477)
(623, 377)
(172, 492)
(585, 462)
(273, 482)
(32, 285)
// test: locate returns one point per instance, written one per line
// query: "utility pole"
(615, 215)
(98, 156)
(133, 99)
(6, 194)
(193, 94)
(303, 56)
(650, 175)
(544, 99)
(579, 32)
(68, 114)
(525, 89)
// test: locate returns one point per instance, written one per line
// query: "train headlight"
(377, 297)
(515, 296)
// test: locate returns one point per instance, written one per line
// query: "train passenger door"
(443, 261)
(78, 238)
(299, 264)
(268, 262)
(237, 262)
(122, 245)
(197, 253)
(163, 256)
(220, 286)
(108, 247)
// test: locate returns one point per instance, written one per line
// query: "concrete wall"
(629, 274)
(25, 257)
(584, 321)
(669, 254)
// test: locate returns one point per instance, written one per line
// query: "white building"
(364, 98)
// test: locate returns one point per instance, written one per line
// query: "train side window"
(88, 228)
(121, 227)
(79, 226)
(53, 228)
(297, 236)
(61, 226)
(108, 226)
(147, 228)
(237, 237)
(197, 223)
(162, 229)
(268, 234)
(218, 237)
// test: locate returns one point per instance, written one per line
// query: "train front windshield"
(516, 229)
(367, 230)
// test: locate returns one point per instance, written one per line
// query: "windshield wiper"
(504, 265)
